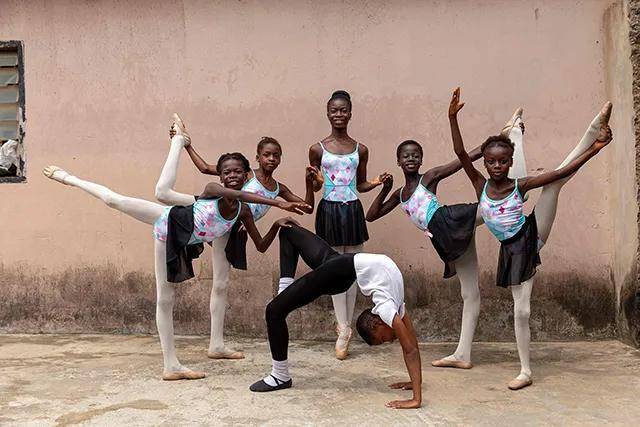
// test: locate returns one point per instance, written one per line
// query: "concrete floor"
(114, 380)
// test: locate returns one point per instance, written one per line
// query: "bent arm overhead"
(200, 163)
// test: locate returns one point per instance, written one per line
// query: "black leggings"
(332, 273)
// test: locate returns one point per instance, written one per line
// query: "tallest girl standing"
(340, 220)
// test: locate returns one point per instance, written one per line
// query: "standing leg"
(343, 306)
(173, 369)
(218, 302)
(164, 188)
(521, 311)
(467, 272)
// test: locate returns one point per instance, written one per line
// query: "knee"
(471, 296)
(272, 312)
(112, 200)
(165, 304)
(220, 286)
(162, 195)
(285, 232)
(521, 314)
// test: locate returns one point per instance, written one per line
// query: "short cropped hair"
(366, 324)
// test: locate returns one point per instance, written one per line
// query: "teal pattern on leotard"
(340, 172)
(208, 223)
(504, 217)
(256, 187)
(420, 206)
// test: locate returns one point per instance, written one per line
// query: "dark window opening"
(12, 112)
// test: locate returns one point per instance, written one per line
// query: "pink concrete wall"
(102, 79)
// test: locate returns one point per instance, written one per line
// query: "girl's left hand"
(295, 207)
(604, 138)
(313, 175)
(378, 180)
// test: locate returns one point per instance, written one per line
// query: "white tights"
(147, 212)
(345, 303)
(165, 193)
(545, 215)
(467, 265)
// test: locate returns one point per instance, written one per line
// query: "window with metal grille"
(12, 112)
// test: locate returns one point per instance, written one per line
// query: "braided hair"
(498, 141)
(268, 140)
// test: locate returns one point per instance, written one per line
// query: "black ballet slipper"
(261, 386)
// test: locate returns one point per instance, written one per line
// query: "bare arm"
(380, 207)
(213, 190)
(407, 336)
(363, 185)
(438, 173)
(315, 160)
(262, 243)
(202, 166)
(290, 196)
(531, 182)
(474, 175)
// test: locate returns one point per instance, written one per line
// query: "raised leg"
(219, 300)
(547, 204)
(164, 188)
(142, 210)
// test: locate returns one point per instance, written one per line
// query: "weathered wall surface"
(629, 294)
(102, 79)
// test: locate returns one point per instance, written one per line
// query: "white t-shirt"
(379, 277)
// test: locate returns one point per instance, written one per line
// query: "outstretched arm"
(213, 190)
(407, 336)
(290, 196)
(380, 207)
(458, 146)
(438, 173)
(531, 182)
(263, 243)
(363, 185)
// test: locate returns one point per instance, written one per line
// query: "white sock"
(284, 283)
(280, 370)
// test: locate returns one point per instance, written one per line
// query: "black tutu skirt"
(340, 223)
(452, 229)
(519, 255)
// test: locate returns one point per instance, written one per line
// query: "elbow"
(370, 217)
(412, 353)
(162, 195)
